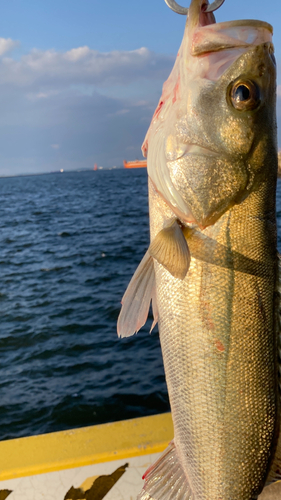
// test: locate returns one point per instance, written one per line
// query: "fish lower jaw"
(189, 150)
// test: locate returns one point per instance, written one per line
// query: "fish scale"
(212, 269)
(219, 351)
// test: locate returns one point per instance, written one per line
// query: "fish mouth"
(196, 150)
(186, 150)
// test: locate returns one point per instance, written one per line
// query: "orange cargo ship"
(135, 164)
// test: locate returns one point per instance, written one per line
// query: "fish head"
(214, 138)
(220, 150)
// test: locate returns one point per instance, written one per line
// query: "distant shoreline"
(59, 172)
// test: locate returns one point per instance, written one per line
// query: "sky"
(80, 79)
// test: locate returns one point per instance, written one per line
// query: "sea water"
(69, 245)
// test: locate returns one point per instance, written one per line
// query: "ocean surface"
(69, 244)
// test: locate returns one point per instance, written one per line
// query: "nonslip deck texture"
(103, 462)
(92, 463)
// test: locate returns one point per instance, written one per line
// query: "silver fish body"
(219, 344)
(213, 169)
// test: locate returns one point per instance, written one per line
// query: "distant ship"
(135, 164)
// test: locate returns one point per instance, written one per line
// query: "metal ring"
(176, 7)
(184, 10)
(214, 6)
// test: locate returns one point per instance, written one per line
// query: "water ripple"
(69, 245)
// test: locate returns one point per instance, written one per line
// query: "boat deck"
(102, 462)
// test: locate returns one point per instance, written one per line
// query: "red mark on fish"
(220, 347)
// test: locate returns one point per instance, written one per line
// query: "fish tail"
(166, 479)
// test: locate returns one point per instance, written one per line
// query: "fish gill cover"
(177, 128)
(212, 270)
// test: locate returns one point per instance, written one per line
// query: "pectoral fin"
(154, 307)
(170, 249)
(137, 298)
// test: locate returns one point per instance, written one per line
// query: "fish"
(212, 270)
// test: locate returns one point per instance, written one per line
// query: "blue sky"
(80, 79)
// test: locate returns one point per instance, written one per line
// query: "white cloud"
(89, 106)
(82, 65)
(141, 103)
(84, 128)
(122, 111)
(67, 101)
(76, 54)
(33, 96)
(7, 44)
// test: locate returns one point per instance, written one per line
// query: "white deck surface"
(55, 485)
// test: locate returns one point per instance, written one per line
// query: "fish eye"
(244, 95)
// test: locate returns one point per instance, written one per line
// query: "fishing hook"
(184, 10)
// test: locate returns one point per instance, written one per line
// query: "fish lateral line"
(219, 323)
(206, 249)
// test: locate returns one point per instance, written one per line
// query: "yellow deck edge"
(84, 446)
